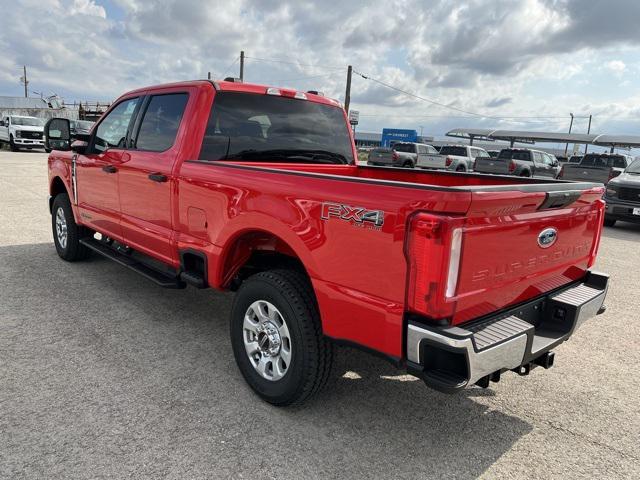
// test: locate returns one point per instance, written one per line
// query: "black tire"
(525, 173)
(460, 168)
(609, 222)
(73, 250)
(408, 164)
(311, 353)
(48, 150)
(12, 146)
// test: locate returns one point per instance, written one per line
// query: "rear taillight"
(395, 155)
(448, 161)
(561, 173)
(433, 251)
(512, 166)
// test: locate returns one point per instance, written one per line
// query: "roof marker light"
(300, 96)
(273, 91)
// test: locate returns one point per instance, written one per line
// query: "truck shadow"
(152, 369)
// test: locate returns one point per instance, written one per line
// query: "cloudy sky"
(513, 63)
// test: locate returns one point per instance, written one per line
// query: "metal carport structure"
(521, 136)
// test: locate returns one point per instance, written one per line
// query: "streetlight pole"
(586, 145)
(566, 147)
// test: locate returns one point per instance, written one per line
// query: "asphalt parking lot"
(103, 374)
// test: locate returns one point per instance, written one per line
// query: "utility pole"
(24, 80)
(566, 147)
(242, 66)
(347, 94)
(586, 145)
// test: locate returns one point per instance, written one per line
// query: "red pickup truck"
(455, 277)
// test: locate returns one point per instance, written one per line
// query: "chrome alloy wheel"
(267, 340)
(61, 227)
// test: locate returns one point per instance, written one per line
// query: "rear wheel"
(66, 233)
(460, 168)
(277, 338)
(407, 164)
(525, 173)
(609, 222)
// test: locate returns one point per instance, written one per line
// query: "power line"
(433, 102)
(559, 117)
(276, 60)
(230, 65)
(300, 78)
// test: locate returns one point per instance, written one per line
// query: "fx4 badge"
(357, 215)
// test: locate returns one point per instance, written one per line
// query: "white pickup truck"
(22, 132)
(459, 158)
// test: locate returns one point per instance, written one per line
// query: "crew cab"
(596, 167)
(459, 158)
(401, 154)
(21, 132)
(623, 196)
(523, 162)
(255, 189)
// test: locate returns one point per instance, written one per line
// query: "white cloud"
(616, 66)
(469, 55)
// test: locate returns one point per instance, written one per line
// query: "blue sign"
(392, 135)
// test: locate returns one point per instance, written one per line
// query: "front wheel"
(12, 144)
(66, 232)
(277, 338)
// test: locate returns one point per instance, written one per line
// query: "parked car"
(523, 162)
(575, 158)
(459, 158)
(400, 154)
(493, 153)
(596, 167)
(21, 132)
(255, 189)
(623, 196)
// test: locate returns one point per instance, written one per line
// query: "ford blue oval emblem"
(547, 237)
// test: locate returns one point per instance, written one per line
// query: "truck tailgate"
(584, 173)
(492, 165)
(514, 247)
(431, 161)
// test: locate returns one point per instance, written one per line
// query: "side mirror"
(79, 146)
(57, 134)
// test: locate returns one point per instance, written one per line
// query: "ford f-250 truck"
(456, 278)
(21, 132)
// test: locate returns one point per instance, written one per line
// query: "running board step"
(162, 279)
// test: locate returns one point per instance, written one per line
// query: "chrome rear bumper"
(451, 358)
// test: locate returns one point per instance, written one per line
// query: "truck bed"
(365, 269)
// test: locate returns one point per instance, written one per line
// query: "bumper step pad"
(521, 338)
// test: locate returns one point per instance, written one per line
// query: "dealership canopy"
(520, 136)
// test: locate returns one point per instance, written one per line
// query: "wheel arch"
(252, 251)
(56, 187)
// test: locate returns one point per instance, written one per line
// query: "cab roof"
(228, 86)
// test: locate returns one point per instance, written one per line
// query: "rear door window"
(404, 147)
(161, 121)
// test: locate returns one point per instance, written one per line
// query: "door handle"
(157, 177)
(109, 169)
